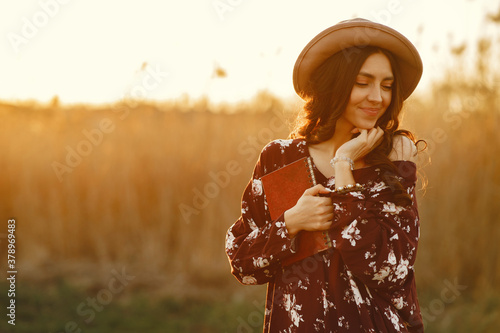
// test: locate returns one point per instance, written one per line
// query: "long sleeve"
(376, 238)
(254, 243)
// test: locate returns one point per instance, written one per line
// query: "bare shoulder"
(403, 149)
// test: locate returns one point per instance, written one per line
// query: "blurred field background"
(155, 192)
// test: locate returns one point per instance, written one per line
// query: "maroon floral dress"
(364, 283)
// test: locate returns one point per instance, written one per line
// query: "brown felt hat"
(357, 32)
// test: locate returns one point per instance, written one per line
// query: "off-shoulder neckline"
(355, 171)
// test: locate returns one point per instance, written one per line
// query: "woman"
(354, 78)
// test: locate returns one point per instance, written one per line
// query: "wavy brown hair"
(331, 85)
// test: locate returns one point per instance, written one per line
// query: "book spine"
(312, 178)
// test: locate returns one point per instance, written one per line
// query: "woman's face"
(371, 93)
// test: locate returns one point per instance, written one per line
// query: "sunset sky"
(98, 51)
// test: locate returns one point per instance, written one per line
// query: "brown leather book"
(283, 188)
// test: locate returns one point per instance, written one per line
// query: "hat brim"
(357, 32)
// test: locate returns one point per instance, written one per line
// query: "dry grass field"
(152, 188)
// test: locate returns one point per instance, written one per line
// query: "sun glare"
(92, 52)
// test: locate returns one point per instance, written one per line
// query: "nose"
(375, 95)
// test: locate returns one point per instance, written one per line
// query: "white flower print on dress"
(249, 280)
(396, 236)
(369, 255)
(378, 187)
(230, 240)
(357, 194)
(292, 308)
(393, 318)
(284, 144)
(326, 303)
(382, 274)
(338, 208)
(252, 224)
(302, 146)
(391, 208)
(372, 265)
(402, 269)
(260, 262)
(398, 302)
(254, 234)
(355, 290)
(351, 233)
(257, 187)
(330, 183)
(319, 325)
(391, 259)
(343, 322)
(282, 232)
(301, 284)
(369, 295)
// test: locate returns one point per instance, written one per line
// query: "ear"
(403, 149)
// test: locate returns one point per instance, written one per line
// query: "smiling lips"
(372, 112)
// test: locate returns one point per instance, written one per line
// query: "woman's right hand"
(311, 212)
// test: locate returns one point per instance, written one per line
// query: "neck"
(342, 135)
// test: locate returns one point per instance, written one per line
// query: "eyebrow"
(371, 76)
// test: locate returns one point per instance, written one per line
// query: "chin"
(366, 126)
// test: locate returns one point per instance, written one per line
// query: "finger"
(323, 225)
(379, 135)
(326, 202)
(325, 209)
(324, 190)
(321, 206)
(330, 209)
(315, 190)
(363, 134)
(372, 133)
(374, 136)
(329, 216)
(329, 219)
(327, 223)
(379, 130)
